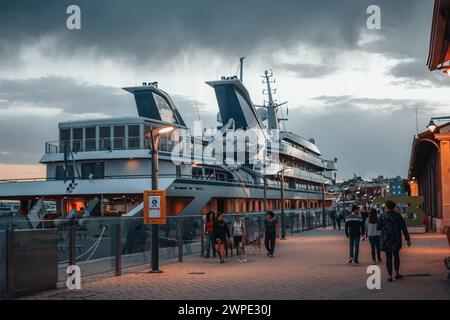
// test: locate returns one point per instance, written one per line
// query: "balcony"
(103, 144)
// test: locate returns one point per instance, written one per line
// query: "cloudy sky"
(356, 91)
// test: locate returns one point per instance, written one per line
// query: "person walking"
(354, 229)
(221, 234)
(364, 216)
(392, 225)
(270, 233)
(333, 218)
(373, 235)
(339, 220)
(209, 234)
(238, 232)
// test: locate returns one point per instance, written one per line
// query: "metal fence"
(99, 245)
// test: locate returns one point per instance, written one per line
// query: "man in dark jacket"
(354, 229)
(364, 216)
(392, 225)
(221, 234)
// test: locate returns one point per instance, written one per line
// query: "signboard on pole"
(154, 207)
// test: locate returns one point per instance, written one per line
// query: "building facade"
(429, 172)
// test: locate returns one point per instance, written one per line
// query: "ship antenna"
(272, 105)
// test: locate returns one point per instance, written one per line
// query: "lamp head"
(160, 130)
(165, 129)
(432, 126)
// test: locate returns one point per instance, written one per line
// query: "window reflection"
(164, 109)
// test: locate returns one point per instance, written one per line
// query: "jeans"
(269, 242)
(333, 219)
(375, 246)
(389, 255)
(338, 221)
(210, 243)
(354, 247)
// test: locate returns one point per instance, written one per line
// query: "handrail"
(175, 176)
(123, 218)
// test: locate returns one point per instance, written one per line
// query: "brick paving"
(307, 266)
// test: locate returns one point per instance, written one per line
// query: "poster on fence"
(155, 207)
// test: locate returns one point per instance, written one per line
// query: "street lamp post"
(323, 206)
(283, 219)
(265, 193)
(153, 141)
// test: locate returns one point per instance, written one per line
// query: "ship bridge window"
(164, 109)
(93, 170)
(119, 137)
(90, 139)
(133, 137)
(64, 136)
(248, 112)
(105, 138)
(77, 139)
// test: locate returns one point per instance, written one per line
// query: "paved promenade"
(307, 266)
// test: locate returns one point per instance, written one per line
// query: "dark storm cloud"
(76, 97)
(415, 74)
(369, 136)
(145, 30)
(24, 134)
(69, 95)
(386, 105)
(306, 71)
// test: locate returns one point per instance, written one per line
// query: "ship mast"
(272, 119)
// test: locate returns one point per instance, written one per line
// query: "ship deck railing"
(270, 184)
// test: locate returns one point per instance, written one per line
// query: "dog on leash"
(256, 243)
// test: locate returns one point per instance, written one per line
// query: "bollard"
(118, 249)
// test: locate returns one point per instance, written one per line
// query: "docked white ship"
(105, 165)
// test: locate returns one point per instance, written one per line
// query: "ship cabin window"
(90, 142)
(221, 176)
(93, 170)
(133, 137)
(60, 174)
(197, 172)
(119, 137)
(105, 138)
(64, 136)
(209, 174)
(77, 139)
(165, 142)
